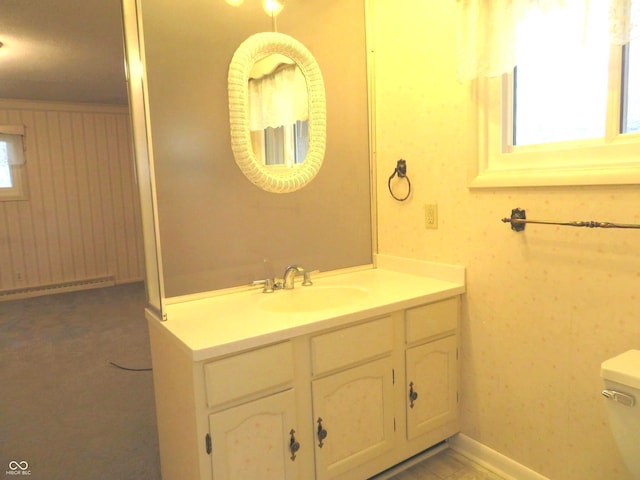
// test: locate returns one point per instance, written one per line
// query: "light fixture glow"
(234, 3)
(273, 7)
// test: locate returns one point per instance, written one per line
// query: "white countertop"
(224, 324)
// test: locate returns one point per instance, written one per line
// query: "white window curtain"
(279, 98)
(11, 145)
(487, 29)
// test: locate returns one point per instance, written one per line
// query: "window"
(12, 175)
(630, 119)
(284, 146)
(5, 170)
(569, 113)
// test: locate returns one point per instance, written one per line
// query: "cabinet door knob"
(322, 433)
(413, 395)
(294, 445)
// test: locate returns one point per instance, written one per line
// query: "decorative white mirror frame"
(271, 179)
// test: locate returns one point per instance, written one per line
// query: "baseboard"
(62, 287)
(491, 460)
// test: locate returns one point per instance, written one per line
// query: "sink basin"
(309, 299)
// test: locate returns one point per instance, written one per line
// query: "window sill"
(571, 176)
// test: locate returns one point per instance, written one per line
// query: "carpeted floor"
(64, 409)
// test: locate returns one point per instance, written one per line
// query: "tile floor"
(446, 465)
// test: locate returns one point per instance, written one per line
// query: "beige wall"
(544, 307)
(81, 220)
(216, 228)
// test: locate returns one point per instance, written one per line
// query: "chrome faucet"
(290, 275)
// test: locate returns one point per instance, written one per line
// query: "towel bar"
(518, 220)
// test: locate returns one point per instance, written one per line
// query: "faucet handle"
(307, 279)
(268, 284)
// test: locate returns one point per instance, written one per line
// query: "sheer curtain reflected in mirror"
(278, 111)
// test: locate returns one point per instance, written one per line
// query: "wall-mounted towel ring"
(401, 171)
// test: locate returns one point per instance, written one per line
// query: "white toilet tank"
(621, 376)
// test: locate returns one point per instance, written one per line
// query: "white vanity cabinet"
(256, 440)
(331, 403)
(431, 367)
(256, 436)
(352, 392)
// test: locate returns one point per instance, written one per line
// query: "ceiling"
(62, 50)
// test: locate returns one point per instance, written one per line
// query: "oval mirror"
(277, 112)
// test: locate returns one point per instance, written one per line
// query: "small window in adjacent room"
(12, 163)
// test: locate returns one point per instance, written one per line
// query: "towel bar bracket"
(517, 214)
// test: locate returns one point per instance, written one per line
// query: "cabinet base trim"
(492, 460)
(410, 462)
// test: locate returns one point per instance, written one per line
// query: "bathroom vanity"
(342, 379)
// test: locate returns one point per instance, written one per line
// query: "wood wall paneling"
(81, 220)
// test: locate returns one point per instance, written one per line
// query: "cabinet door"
(253, 440)
(432, 386)
(353, 411)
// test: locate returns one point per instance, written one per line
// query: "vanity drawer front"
(431, 320)
(351, 345)
(247, 373)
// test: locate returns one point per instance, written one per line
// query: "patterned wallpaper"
(544, 307)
